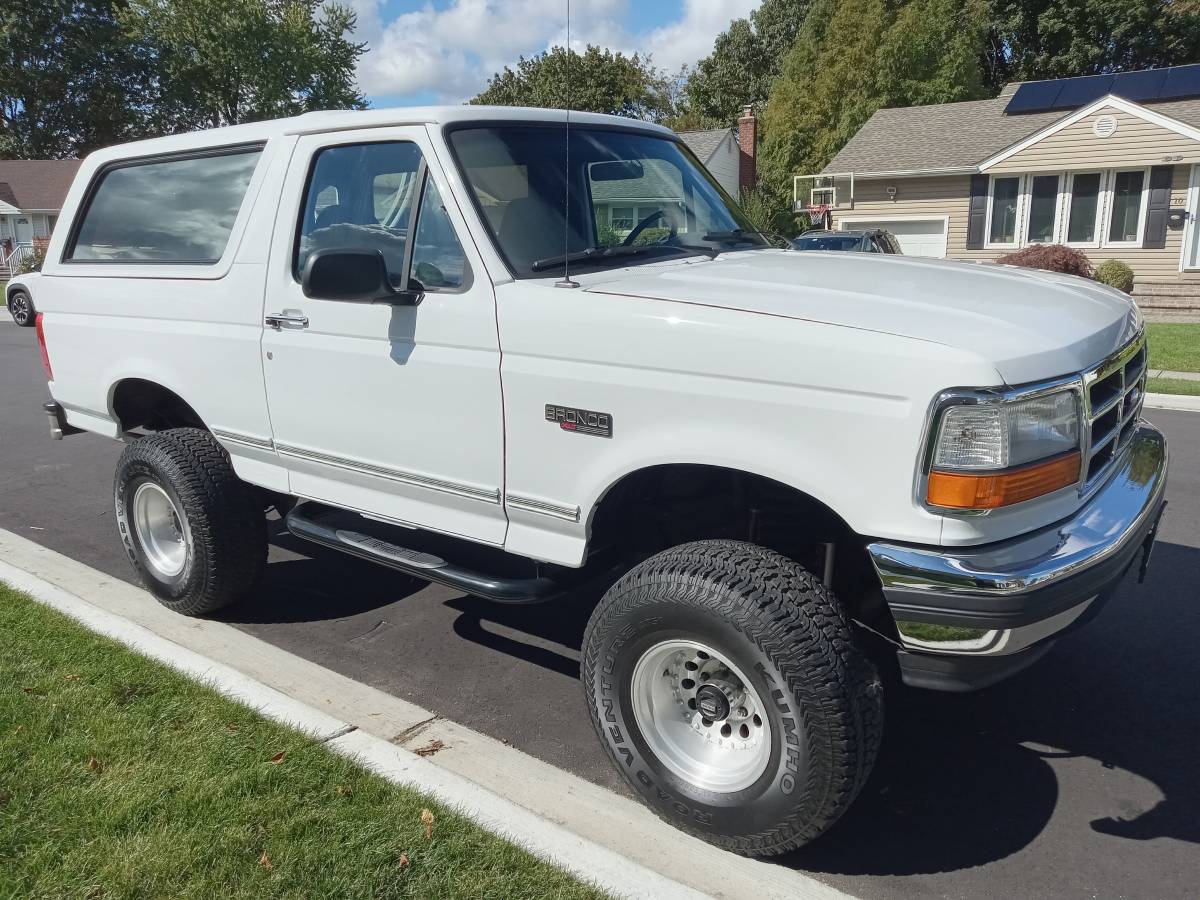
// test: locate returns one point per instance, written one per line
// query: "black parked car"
(874, 240)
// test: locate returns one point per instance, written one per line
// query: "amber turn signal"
(956, 490)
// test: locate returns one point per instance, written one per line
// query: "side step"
(376, 541)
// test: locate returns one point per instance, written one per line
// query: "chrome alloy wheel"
(161, 530)
(699, 714)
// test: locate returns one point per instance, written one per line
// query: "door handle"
(289, 318)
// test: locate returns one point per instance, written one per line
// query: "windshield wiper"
(733, 236)
(591, 254)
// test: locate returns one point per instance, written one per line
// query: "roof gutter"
(916, 173)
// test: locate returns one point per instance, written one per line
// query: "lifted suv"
(431, 343)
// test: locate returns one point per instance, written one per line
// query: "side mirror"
(354, 276)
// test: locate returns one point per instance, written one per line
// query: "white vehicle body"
(814, 370)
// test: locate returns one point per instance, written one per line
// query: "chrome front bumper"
(970, 616)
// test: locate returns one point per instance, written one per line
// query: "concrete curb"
(598, 835)
(1172, 401)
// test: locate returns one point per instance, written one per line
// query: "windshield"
(830, 242)
(634, 198)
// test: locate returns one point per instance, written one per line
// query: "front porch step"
(1165, 289)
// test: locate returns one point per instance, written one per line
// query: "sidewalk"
(1167, 373)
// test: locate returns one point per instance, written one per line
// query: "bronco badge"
(581, 421)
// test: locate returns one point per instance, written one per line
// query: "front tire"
(195, 533)
(725, 684)
(20, 307)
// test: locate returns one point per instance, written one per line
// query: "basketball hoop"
(819, 215)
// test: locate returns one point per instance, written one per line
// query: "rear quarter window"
(178, 210)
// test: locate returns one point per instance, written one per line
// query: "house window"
(1083, 208)
(1126, 207)
(622, 218)
(1043, 209)
(1002, 230)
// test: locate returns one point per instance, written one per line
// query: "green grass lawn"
(1173, 386)
(122, 778)
(1174, 346)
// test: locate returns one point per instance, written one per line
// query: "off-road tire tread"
(800, 626)
(225, 517)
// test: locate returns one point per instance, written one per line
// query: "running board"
(348, 532)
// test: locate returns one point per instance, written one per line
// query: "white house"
(31, 195)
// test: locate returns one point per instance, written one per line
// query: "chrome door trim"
(471, 492)
(542, 507)
(248, 440)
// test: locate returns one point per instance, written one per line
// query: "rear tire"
(20, 307)
(195, 533)
(792, 743)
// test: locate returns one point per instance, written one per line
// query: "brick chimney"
(747, 149)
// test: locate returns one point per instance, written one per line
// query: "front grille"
(1114, 391)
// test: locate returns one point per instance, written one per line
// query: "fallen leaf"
(345, 790)
(5, 796)
(404, 860)
(429, 749)
(34, 691)
(232, 728)
(278, 757)
(94, 765)
(18, 729)
(71, 678)
(427, 821)
(265, 861)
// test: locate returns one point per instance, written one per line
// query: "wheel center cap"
(712, 703)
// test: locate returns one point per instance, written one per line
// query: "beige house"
(1041, 163)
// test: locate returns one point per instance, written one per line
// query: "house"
(32, 192)
(1108, 164)
(727, 153)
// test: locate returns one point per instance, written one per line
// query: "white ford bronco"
(513, 354)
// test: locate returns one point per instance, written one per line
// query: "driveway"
(1078, 778)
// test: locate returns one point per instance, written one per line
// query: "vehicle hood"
(1030, 324)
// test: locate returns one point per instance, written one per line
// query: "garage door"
(917, 237)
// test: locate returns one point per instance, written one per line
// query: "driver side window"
(361, 197)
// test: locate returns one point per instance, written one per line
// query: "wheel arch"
(135, 402)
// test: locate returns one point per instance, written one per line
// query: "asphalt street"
(1078, 778)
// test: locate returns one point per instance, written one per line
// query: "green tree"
(600, 81)
(745, 60)
(853, 57)
(69, 80)
(221, 62)
(1036, 39)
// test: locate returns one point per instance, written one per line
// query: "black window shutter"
(1158, 207)
(977, 212)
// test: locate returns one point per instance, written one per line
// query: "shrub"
(1052, 258)
(1116, 274)
(33, 261)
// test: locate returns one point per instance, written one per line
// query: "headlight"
(996, 453)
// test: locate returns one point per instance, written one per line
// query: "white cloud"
(451, 51)
(690, 39)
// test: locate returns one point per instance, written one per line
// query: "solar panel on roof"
(1034, 96)
(1181, 82)
(1146, 86)
(1077, 92)
(1140, 87)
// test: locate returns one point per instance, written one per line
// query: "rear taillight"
(42, 346)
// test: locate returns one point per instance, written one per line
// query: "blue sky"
(442, 51)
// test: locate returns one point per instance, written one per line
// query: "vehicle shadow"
(965, 780)
(322, 585)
